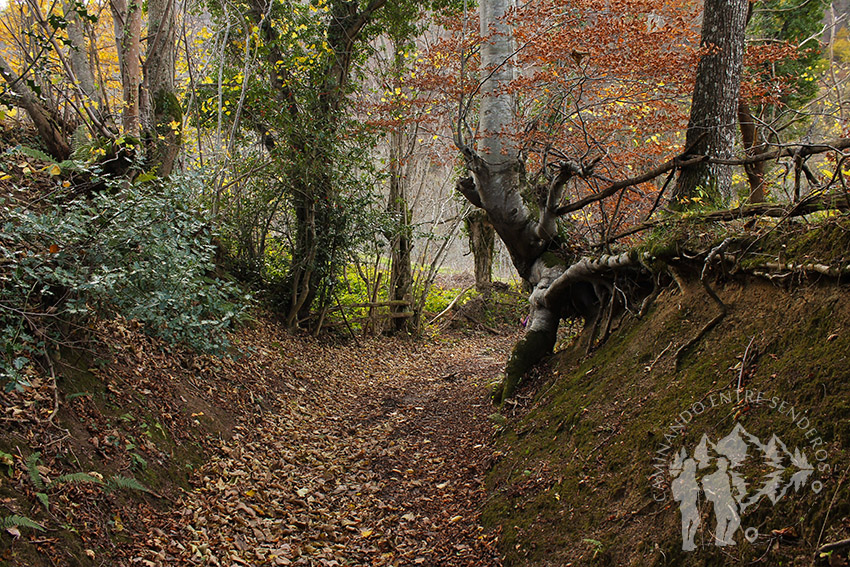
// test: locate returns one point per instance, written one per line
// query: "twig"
(657, 358)
(744, 363)
(838, 544)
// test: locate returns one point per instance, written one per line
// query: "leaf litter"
(340, 454)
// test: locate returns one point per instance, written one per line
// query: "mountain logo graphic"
(733, 474)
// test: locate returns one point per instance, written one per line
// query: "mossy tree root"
(529, 351)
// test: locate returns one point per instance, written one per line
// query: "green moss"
(167, 108)
(527, 352)
(551, 260)
(591, 436)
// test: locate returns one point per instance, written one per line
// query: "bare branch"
(612, 189)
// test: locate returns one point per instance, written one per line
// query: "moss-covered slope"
(579, 482)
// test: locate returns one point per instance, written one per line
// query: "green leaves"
(13, 522)
(140, 252)
(119, 482)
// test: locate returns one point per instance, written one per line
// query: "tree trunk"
(163, 114)
(80, 57)
(482, 241)
(495, 187)
(127, 18)
(49, 125)
(711, 128)
(401, 243)
(317, 236)
(752, 146)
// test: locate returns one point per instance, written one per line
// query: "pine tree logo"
(733, 474)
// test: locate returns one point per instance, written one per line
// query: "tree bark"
(711, 128)
(47, 123)
(79, 56)
(401, 243)
(752, 146)
(127, 18)
(163, 114)
(482, 241)
(495, 187)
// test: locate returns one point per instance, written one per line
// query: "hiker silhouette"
(717, 487)
(686, 491)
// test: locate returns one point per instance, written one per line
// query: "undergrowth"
(137, 250)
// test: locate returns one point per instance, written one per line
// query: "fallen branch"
(822, 269)
(827, 547)
(449, 308)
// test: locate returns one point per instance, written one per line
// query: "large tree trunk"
(714, 108)
(495, 187)
(163, 114)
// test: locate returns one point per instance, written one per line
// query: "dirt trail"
(371, 455)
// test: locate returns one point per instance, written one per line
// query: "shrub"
(139, 251)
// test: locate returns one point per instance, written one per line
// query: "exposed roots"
(716, 252)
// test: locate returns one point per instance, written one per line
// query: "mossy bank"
(584, 471)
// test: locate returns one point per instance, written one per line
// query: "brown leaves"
(368, 458)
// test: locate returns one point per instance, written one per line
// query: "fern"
(33, 153)
(15, 521)
(68, 165)
(44, 499)
(117, 481)
(75, 477)
(32, 468)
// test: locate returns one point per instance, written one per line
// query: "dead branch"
(823, 269)
(827, 547)
(612, 189)
(449, 307)
(799, 152)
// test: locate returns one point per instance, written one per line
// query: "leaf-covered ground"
(354, 454)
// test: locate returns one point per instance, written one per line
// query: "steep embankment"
(586, 476)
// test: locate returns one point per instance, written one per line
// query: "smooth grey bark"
(494, 163)
(561, 287)
(495, 187)
(714, 108)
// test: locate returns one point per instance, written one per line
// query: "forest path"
(375, 457)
